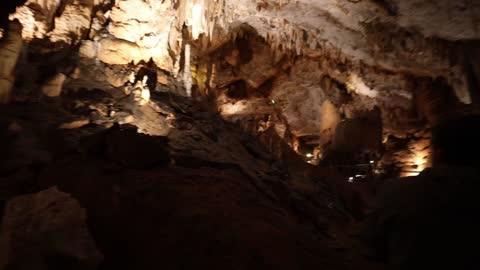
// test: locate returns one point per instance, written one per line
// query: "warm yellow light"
(420, 162)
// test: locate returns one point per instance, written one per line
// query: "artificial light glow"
(420, 162)
(309, 155)
(372, 161)
(273, 101)
(350, 179)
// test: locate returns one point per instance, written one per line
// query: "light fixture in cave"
(350, 179)
(273, 101)
(309, 155)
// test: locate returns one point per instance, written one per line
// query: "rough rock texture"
(290, 60)
(36, 17)
(46, 229)
(80, 12)
(53, 87)
(206, 191)
(229, 102)
(10, 48)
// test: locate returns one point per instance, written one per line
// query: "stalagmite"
(145, 91)
(53, 88)
(9, 52)
(187, 73)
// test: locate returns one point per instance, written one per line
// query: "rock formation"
(10, 48)
(41, 228)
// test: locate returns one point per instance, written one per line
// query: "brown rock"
(49, 225)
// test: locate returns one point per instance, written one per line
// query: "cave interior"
(227, 134)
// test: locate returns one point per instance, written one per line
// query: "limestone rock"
(162, 78)
(118, 52)
(73, 24)
(10, 48)
(139, 35)
(36, 17)
(53, 88)
(49, 224)
(88, 49)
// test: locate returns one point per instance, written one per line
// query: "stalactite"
(199, 15)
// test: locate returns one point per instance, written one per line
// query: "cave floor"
(198, 193)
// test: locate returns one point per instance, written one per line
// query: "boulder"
(46, 230)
